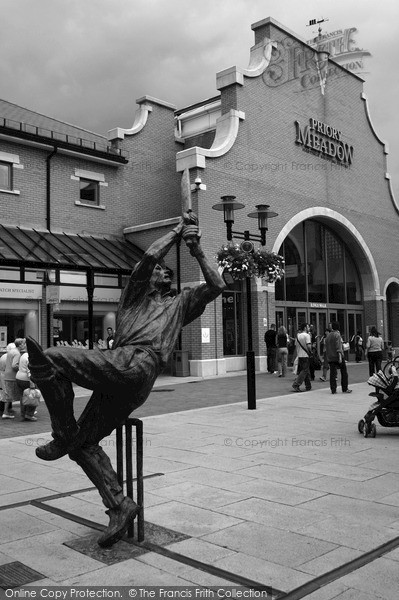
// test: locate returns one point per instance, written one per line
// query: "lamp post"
(262, 213)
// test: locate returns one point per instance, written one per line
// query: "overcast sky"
(87, 61)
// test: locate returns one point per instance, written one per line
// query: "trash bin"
(181, 365)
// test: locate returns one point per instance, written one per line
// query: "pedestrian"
(374, 347)
(3, 404)
(271, 348)
(336, 359)
(358, 346)
(303, 349)
(110, 337)
(282, 351)
(149, 320)
(11, 389)
(325, 365)
(24, 383)
(313, 338)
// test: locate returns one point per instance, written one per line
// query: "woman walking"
(323, 354)
(12, 392)
(374, 347)
(282, 351)
(23, 382)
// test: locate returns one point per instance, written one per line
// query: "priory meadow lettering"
(325, 141)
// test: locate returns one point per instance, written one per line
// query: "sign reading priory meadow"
(324, 140)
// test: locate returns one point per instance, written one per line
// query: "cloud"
(86, 62)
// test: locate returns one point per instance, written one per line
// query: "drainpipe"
(48, 188)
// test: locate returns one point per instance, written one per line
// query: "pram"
(386, 406)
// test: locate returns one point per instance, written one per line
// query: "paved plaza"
(288, 498)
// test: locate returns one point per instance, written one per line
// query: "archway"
(355, 242)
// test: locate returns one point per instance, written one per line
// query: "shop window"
(6, 176)
(232, 322)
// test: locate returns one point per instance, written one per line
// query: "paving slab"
(191, 520)
(266, 572)
(130, 573)
(380, 577)
(199, 495)
(271, 544)
(47, 554)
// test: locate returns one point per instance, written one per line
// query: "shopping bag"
(31, 397)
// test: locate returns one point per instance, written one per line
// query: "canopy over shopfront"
(54, 254)
(31, 248)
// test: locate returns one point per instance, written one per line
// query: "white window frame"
(13, 161)
(98, 178)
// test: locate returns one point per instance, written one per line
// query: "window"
(89, 192)
(89, 187)
(319, 267)
(5, 176)
(232, 321)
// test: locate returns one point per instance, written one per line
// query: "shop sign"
(18, 291)
(53, 294)
(317, 305)
(79, 294)
(324, 140)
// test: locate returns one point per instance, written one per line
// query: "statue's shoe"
(57, 448)
(40, 366)
(120, 518)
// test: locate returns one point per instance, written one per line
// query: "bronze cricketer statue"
(148, 323)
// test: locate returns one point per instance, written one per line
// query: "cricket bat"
(186, 205)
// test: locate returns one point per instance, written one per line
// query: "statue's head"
(161, 278)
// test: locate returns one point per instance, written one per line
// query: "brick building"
(292, 130)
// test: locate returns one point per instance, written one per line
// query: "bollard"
(128, 424)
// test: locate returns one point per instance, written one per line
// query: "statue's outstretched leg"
(58, 395)
(121, 510)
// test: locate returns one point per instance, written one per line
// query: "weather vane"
(313, 22)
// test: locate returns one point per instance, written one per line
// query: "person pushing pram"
(386, 405)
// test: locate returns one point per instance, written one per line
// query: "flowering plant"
(269, 265)
(238, 263)
(259, 263)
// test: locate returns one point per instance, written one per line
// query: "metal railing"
(55, 136)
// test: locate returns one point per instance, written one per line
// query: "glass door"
(318, 319)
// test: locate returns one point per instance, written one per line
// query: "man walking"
(303, 345)
(148, 323)
(336, 359)
(271, 348)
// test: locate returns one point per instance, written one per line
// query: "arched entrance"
(330, 273)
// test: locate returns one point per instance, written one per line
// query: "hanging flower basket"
(270, 265)
(238, 263)
(241, 265)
